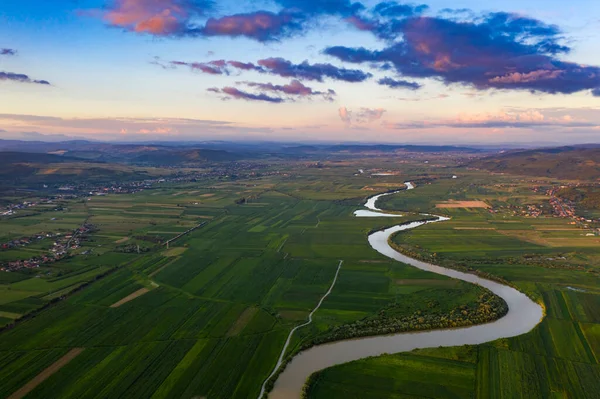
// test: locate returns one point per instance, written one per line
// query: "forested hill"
(563, 163)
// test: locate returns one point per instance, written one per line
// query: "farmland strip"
(44, 375)
(130, 297)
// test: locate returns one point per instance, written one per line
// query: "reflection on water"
(370, 214)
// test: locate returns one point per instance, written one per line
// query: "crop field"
(208, 316)
(445, 374)
(550, 258)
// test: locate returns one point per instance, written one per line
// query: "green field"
(210, 314)
(549, 258)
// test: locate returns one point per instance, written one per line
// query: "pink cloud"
(360, 23)
(157, 17)
(260, 25)
(294, 88)
(345, 115)
(533, 76)
(528, 119)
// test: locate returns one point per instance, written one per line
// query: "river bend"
(523, 315)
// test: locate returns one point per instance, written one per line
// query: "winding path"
(289, 338)
(523, 315)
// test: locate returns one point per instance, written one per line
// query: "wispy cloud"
(362, 116)
(232, 92)
(278, 67)
(523, 119)
(295, 89)
(20, 78)
(8, 51)
(398, 83)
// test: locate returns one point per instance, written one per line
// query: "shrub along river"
(523, 315)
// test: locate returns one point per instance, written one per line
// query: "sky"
(441, 72)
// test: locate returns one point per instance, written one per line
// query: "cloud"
(244, 66)
(232, 92)
(36, 136)
(280, 67)
(304, 70)
(496, 51)
(323, 7)
(417, 99)
(262, 26)
(394, 9)
(369, 114)
(294, 88)
(218, 67)
(395, 84)
(8, 51)
(362, 23)
(162, 130)
(112, 127)
(516, 77)
(363, 115)
(529, 118)
(182, 18)
(21, 78)
(345, 115)
(156, 17)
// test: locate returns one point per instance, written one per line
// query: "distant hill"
(147, 154)
(175, 154)
(11, 157)
(34, 169)
(183, 157)
(561, 163)
(399, 148)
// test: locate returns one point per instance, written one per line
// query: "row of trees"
(488, 307)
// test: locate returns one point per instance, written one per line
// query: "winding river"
(523, 315)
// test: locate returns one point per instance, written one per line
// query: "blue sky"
(511, 72)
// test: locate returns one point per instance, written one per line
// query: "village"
(63, 192)
(62, 244)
